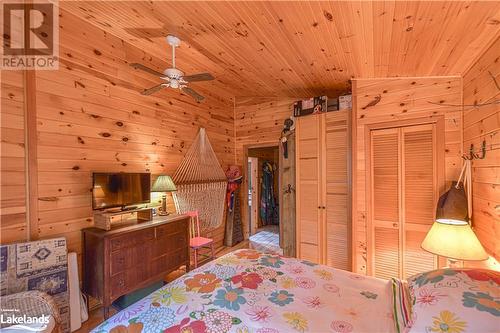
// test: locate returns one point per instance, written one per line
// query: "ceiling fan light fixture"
(174, 83)
(173, 77)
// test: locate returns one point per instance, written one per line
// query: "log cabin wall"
(481, 85)
(258, 122)
(92, 117)
(13, 185)
(396, 99)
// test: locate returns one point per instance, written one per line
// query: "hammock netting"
(201, 183)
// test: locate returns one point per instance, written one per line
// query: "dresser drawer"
(169, 243)
(131, 239)
(169, 228)
(167, 262)
(126, 281)
(119, 284)
(120, 261)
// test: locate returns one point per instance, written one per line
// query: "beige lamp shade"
(163, 184)
(98, 192)
(454, 241)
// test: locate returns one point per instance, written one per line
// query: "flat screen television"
(120, 189)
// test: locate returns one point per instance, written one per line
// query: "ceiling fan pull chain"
(173, 56)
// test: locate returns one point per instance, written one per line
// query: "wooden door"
(308, 180)
(253, 194)
(385, 203)
(335, 172)
(404, 184)
(287, 198)
(419, 195)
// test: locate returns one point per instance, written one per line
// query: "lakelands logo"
(30, 34)
(25, 323)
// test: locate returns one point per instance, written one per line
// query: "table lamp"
(163, 184)
(451, 235)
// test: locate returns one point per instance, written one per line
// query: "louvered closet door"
(404, 183)
(308, 187)
(420, 195)
(385, 194)
(337, 233)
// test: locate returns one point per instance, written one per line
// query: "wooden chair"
(197, 242)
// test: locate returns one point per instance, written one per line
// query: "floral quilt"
(248, 291)
(455, 300)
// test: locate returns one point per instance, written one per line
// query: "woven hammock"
(201, 183)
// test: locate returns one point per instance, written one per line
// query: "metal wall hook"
(474, 155)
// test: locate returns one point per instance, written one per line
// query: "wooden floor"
(96, 316)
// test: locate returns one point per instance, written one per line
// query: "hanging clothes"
(268, 208)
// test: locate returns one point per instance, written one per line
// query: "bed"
(248, 291)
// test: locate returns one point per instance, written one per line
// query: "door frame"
(438, 121)
(245, 222)
(254, 174)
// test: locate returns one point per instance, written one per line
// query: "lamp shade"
(454, 241)
(452, 206)
(163, 184)
(98, 192)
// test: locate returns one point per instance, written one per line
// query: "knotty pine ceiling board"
(301, 48)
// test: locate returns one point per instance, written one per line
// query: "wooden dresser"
(122, 260)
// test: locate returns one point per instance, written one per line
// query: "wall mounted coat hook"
(474, 155)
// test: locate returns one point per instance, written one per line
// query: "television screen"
(120, 189)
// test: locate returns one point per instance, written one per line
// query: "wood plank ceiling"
(302, 48)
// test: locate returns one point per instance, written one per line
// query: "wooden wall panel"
(481, 85)
(92, 117)
(399, 99)
(258, 122)
(13, 225)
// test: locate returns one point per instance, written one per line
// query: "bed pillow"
(455, 301)
(402, 303)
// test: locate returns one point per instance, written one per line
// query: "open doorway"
(263, 198)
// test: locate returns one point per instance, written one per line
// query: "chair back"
(194, 223)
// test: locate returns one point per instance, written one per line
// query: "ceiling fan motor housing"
(173, 40)
(173, 73)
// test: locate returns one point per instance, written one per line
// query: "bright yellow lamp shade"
(454, 241)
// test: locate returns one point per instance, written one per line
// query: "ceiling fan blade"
(152, 90)
(193, 94)
(146, 69)
(199, 77)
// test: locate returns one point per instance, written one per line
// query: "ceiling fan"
(173, 77)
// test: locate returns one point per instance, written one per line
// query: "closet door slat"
(385, 206)
(337, 233)
(385, 173)
(419, 191)
(308, 186)
(387, 254)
